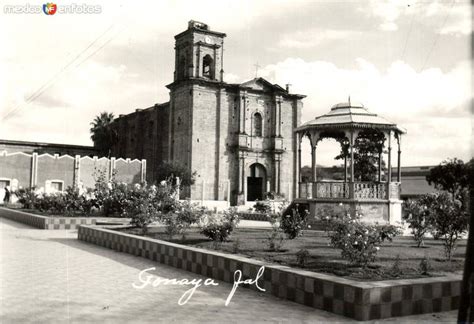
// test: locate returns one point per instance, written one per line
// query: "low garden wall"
(45, 222)
(354, 299)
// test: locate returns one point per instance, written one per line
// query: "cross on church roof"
(256, 69)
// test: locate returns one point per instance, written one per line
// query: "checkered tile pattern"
(65, 223)
(44, 222)
(358, 300)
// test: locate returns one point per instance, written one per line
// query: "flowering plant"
(416, 214)
(359, 242)
(184, 215)
(218, 226)
(449, 220)
(294, 223)
(27, 197)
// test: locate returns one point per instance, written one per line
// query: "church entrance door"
(256, 182)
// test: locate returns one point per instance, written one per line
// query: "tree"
(448, 220)
(102, 133)
(416, 213)
(366, 154)
(167, 170)
(453, 176)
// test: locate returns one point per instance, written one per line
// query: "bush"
(27, 197)
(111, 195)
(396, 270)
(358, 241)
(448, 219)
(76, 203)
(263, 206)
(424, 267)
(272, 195)
(54, 203)
(70, 202)
(169, 171)
(218, 226)
(416, 214)
(275, 240)
(293, 225)
(142, 206)
(302, 257)
(181, 218)
(276, 237)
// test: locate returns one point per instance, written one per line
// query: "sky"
(409, 61)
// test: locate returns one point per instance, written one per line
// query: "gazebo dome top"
(350, 115)
(348, 105)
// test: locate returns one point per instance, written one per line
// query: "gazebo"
(377, 198)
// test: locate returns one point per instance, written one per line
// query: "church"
(239, 138)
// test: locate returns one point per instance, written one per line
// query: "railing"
(347, 190)
(370, 190)
(332, 190)
(395, 190)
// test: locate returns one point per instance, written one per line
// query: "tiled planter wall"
(45, 222)
(358, 300)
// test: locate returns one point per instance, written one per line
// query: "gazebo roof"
(350, 115)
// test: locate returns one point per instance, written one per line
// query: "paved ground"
(51, 277)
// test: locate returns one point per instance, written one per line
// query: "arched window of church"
(208, 67)
(181, 67)
(257, 125)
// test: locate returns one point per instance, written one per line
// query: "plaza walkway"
(51, 277)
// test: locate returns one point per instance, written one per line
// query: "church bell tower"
(199, 53)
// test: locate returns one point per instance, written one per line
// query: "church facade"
(239, 138)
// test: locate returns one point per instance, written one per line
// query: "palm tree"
(102, 133)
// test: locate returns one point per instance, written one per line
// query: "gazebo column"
(399, 173)
(389, 179)
(351, 147)
(380, 165)
(314, 141)
(313, 163)
(298, 165)
(345, 167)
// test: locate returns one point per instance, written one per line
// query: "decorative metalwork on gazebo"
(346, 122)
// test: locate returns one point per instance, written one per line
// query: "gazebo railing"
(348, 190)
(370, 190)
(331, 190)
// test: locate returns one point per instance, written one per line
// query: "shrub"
(396, 270)
(448, 219)
(302, 257)
(110, 195)
(416, 214)
(142, 206)
(27, 197)
(218, 226)
(294, 223)
(424, 266)
(77, 203)
(275, 240)
(276, 237)
(263, 206)
(272, 195)
(183, 215)
(358, 241)
(169, 171)
(53, 203)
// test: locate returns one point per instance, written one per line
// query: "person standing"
(6, 198)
